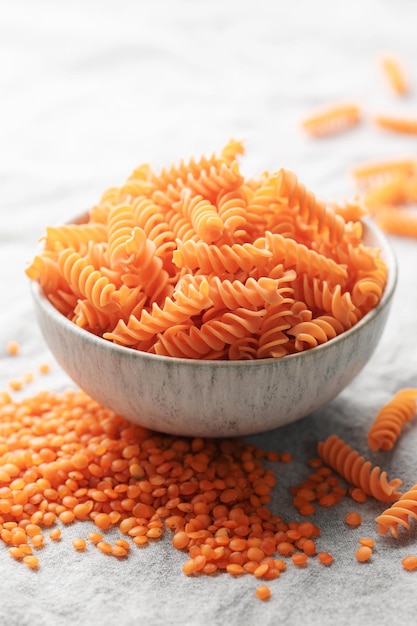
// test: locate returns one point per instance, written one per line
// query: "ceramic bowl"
(215, 398)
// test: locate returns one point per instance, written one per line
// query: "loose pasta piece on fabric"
(397, 221)
(357, 471)
(394, 72)
(391, 192)
(375, 172)
(399, 513)
(397, 124)
(390, 419)
(332, 119)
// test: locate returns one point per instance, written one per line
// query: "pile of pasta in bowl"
(199, 264)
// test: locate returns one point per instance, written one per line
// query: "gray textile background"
(91, 89)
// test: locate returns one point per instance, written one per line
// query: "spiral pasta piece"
(397, 222)
(399, 513)
(151, 219)
(211, 337)
(331, 120)
(401, 125)
(310, 210)
(319, 296)
(160, 260)
(394, 73)
(203, 216)
(390, 419)
(357, 471)
(87, 282)
(219, 258)
(184, 304)
(76, 236)
(251, 294)
(304, 260)
(125, 239)
(309, 334)
(376, 172)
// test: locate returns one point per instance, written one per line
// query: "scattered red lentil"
(358, 495)
(353, 519)
(325, 558)
(12, 348)
(409, 563)
(367, 541)
(79, 544)
(299, 559)
(363, 554)
(263, 592)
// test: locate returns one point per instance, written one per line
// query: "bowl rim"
(387, 253)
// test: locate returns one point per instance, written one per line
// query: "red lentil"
(363, 554)
(12, 348)
(263, 592)
(367, 541)
(353, 519)
(299, 559)
(325, 558)
(79, 544)
(78, 461)
(409, 563)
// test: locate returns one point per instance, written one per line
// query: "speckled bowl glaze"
(215, 398)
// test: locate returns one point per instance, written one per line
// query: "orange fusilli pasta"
(399, 513)
(390, 419)
(198, 261)
(397, 124)
(357, 471)
(394, 73)
(332, 119)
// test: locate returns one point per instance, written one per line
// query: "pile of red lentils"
(64, 458)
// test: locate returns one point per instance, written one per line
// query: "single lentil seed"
(409, 563)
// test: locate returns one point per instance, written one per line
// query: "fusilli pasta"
(357, 471)
(399, 513)
(198, 261)
(390, 419)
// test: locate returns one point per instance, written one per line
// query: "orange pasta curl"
(374, 172)
(397, 124)
(357, 471)
(332, 120)
(87, 282)
(399, 513)
(309, 210)
(395, 74)
(319, 296)
(391, 418)
(397, 221)
(219, 259)
(198, 261)
(76, 236)
(315, 332)
(212, 336)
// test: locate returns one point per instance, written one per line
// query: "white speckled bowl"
(214, 398)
